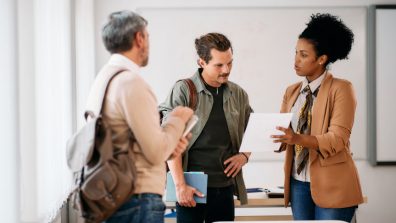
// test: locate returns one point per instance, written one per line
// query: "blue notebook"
(254, 190)
(198, 180)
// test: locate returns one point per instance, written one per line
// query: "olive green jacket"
(236, 110)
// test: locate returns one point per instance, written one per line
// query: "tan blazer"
(334, 178)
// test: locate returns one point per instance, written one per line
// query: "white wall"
(377, 182)
(27, 114)
(9, 160)
(263, 46)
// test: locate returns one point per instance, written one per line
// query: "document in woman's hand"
(261, 126)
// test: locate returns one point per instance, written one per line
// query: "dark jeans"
(219, 207)
(304, 208)
(141, 208)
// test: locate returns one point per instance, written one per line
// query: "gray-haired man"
(130, 109)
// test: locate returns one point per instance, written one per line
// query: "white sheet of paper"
(261, 126)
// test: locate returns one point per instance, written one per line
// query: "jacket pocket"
(341, 157)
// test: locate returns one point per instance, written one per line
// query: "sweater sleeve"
(138, 105)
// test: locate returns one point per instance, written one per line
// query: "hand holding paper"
(287, 136)
(261, 126)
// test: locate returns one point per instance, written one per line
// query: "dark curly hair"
(329, 35)
(209, 41)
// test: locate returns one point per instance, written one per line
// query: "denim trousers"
(219, 207)
(141, 208)
(304, 208)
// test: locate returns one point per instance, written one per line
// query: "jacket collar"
(320, 104)
(197, 80)
(200, 85)
(313, 85)
(122, 61)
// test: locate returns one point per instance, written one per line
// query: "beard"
(145, 61)
(144, 54)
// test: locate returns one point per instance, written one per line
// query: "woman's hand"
(289, 137)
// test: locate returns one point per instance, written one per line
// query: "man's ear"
(201, 62)
(139, 39)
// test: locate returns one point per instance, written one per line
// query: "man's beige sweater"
(130, 108)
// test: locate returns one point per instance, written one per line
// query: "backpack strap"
(193, 96)
(193, 99)
(98, 93)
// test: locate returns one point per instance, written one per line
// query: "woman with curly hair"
(321, 180)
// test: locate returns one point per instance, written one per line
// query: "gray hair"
(119, 32)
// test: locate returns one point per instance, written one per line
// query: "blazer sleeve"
(342, 115)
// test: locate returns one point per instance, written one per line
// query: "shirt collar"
(314, 84)
(120, 60)
(199, 82)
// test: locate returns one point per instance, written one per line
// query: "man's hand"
(184, 113)
(181, 146)
(234, 164)
(185, 195)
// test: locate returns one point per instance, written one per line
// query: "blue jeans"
(219, 207)
(141, 208)
(304, 208)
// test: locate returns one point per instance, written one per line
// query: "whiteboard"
(383, 91)
(264, 41)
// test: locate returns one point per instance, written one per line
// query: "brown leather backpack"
(104, 175)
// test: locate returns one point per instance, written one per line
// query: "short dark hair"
(119, 32)
(204, 44)
(329, 35)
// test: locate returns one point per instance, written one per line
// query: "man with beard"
(223, 110)
(130, 110)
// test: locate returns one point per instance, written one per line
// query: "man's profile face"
(217, 70)
(146, 48)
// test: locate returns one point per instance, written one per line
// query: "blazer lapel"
(293, 98)
(319, 109)
(320, 105)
